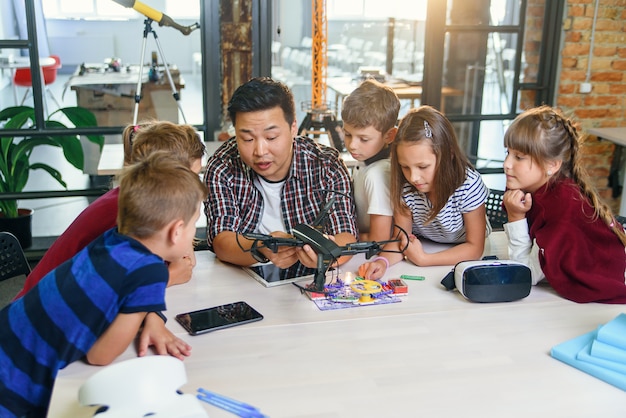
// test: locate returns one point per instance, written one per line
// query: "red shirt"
(581, 257)
(92, 222)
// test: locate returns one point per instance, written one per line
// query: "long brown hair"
(545, 134)
(428, 124)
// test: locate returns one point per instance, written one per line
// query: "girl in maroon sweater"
(557, 223)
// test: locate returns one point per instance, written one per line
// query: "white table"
(618, 137)
(343, 86)
(434, 354)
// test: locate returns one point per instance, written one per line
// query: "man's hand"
(284, 256)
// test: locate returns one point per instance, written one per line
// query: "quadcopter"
(327, 250)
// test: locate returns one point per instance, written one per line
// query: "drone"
(327, 250)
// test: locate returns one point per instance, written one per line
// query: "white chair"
(144, 386)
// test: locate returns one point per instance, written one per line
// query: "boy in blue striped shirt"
(92, 306)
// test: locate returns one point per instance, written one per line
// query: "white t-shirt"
(271, 216)
(371, 191)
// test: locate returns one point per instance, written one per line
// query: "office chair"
(12, 259)
(495, 211)
(23, 78)
(622, 220)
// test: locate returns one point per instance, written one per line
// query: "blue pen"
(208, 393)
(232, 408)
(240, 412)
(229, 404)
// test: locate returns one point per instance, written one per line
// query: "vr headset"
(490, 280)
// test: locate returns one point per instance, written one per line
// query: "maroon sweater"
(581, 257)
(92, 222)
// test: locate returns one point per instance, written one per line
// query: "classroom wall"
(605, 105)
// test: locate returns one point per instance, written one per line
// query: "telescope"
(161, 18)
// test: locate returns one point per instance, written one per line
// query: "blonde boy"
(369, 117)
(92, 306)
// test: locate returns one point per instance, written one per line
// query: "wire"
(239, 243)
(311, 290)
(397, 238)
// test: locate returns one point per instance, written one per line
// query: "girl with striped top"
(436, 194)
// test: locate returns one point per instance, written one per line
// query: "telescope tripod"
(146, 30)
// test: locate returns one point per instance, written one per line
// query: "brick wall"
(605, 105)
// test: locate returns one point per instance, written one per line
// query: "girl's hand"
(517, 203)
(372, 270)
(155, 334)
(414, 252)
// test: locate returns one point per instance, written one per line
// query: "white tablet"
(269, 275)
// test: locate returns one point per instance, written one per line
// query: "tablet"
(269, 275)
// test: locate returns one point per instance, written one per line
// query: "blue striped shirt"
(448, 225)
(59, 320)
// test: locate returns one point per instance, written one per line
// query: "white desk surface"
(615, 135)
(434, 354)
(98, 75)
(24, 62)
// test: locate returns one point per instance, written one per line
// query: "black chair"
(495, 210)
(12, 260)
(622, 220)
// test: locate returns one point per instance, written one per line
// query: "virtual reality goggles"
(490, 280)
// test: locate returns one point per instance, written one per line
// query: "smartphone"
(218, 317)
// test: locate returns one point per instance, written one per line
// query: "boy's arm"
(115, 339)
(375, 270)
(380, 228)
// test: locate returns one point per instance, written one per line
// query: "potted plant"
(15, 153)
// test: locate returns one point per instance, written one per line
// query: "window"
(110, 9)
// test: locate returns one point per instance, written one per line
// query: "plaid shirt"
(235, 204)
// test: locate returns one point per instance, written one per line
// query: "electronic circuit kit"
(354, 292)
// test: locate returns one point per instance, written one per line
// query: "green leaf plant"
(15, 152)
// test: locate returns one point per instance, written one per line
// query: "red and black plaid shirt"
(235, 204)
